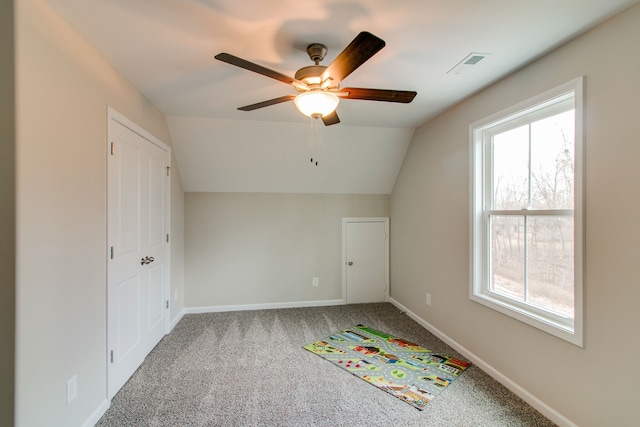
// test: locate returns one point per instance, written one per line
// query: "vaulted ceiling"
(166, 49)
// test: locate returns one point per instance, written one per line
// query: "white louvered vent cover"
(468, 62)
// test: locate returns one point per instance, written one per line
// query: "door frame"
(346, 221)
(115, 116)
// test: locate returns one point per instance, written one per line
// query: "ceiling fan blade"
(363, 47)
(243, 63)
(331, 119)
(402, 96)
(267, 103)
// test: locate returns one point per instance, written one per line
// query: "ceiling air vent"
(467, 63)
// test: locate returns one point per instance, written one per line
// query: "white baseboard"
(97, 414)
(532, 400)
(175, 321)
(265, 306)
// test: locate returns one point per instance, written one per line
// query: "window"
(526, 212)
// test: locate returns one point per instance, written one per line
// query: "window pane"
(552, 162)
(550, 266)
(507, 256)
(511, 169)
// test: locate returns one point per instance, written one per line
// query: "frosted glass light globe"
(316, 103)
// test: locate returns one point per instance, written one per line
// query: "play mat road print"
(399, 367)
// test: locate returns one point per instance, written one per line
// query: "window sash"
(556, 319)
(531, 212)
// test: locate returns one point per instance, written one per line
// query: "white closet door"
(137, 259)
(365, 252)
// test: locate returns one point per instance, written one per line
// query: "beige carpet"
(249, 369)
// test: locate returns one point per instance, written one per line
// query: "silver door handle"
(350, 263)
(146, 260)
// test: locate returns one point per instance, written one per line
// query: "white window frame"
(566, 328)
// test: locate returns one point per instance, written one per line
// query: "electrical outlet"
(428, 299)
(175, 295)
(72, 389)
(316, 281)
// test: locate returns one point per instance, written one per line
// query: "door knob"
(146, 260)
(350, 263)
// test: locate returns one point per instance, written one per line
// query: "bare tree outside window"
(532, 254)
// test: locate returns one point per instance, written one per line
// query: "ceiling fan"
(319, 85)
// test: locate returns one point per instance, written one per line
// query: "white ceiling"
(166, 49)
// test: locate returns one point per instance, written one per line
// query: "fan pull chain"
(315, 127)
(315, 137)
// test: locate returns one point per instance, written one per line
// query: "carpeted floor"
(249, 369)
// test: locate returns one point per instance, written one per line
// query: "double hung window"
(526, 212)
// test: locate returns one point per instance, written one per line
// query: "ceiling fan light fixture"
(316, 103)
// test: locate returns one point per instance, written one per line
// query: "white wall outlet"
(72, 388)
(316, 281)
(175, 295)
(428, 299)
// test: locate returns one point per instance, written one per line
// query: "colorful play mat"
(397, 366)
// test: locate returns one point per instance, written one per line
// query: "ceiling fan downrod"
(317, 52)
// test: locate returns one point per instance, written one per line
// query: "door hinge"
(168, 170)
(111, 252)
(167, 303)
(111, 356)
(167, 237)
(113, 148)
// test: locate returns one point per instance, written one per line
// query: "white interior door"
(138, 249)
(366, 260)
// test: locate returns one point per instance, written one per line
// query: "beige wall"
(7, 213)
(592, 386)
(260, 248)
(63, 90)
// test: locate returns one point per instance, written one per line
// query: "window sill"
(543, 323)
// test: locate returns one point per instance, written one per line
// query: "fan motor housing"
(311, 75)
